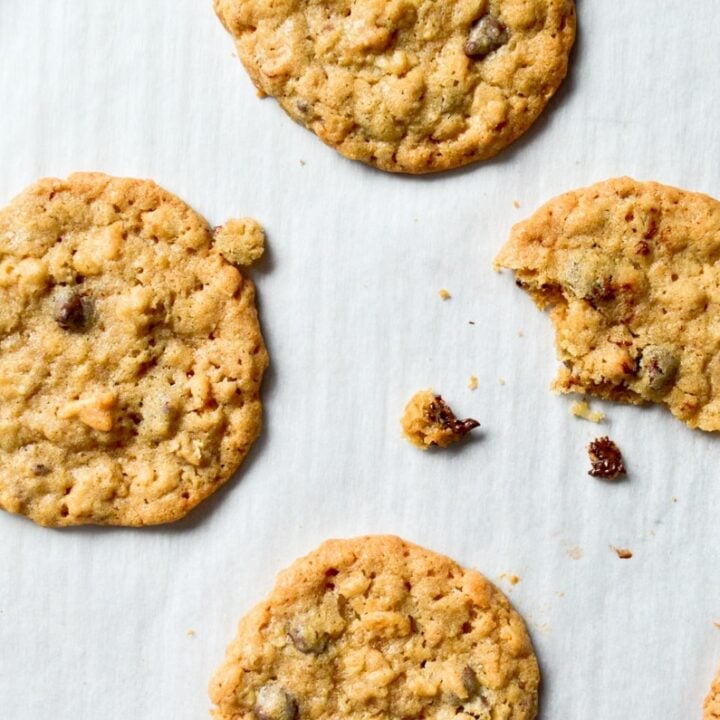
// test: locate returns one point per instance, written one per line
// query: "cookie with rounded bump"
(131, 357)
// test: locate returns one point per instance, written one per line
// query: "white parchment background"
(94, 622)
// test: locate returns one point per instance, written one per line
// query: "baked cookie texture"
(130, 355)
(375, 627)
(428, 421)
(629, 271)
(711, 707)
(411, 86)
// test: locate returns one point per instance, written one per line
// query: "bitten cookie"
(130, 355)
(630, 273)
(711, 707)
(376, 627)
(410, 86)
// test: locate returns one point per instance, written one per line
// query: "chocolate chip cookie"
(377, 627)
(410, 86)
(130, 355)
(711, 707)
(629, 271)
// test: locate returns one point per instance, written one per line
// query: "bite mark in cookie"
(629, 271)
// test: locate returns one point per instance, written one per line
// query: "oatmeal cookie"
(629, 271)
(130, 355)
(410, 86)
(711, 707)
(375, 627)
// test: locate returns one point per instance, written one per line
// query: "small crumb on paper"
(521, 333)
(191, 633)
(444, 294)
(501, 381)
(428, 421)
(302, 162)
(582, 409)
(512, 579)
(516, 203)
(574, 553)
(716, 623)
(473, 382)
(622, 553)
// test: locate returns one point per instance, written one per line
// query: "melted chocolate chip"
(606, 459)
(486, 35)
(274, 702)
(73, 310)
(439, 412)
(659, 367)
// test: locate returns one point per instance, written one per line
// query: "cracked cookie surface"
(409, 86)
(130, 355)
(376, 627)
(629, 271)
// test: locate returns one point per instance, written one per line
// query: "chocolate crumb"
(606, 459)
(439, 412)
(623, 553)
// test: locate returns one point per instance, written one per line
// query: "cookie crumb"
(512, 579)
(575, 553)
(240, 242)
(473, 382)
(501, 381)
(716, 623)
(191, 633)
(583, 410)
(606, 459)
(428, 421)
(622, 553)
(471, 322)
(521, 333)
(302, 162)
(516, 203)
(444, 294)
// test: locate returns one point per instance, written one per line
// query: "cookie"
(711, 707)
(130, 355)
(377, 627)
(411, 86)
(629, 272)
(428, 421)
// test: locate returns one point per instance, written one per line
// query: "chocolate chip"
(486, 35)
(470, 681)
(439, 412)
(73, 310)
(274, 702)
(606, 459)
(659, 367)
(307, 637)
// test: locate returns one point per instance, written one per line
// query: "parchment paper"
(95, 623)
